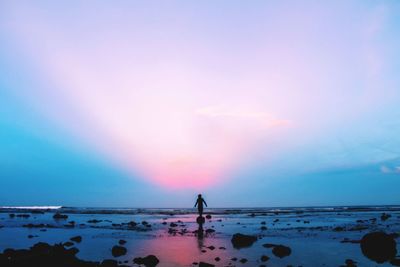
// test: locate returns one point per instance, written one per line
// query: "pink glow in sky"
(182, 96)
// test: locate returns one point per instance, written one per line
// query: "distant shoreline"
(182, 211)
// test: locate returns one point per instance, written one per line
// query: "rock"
(338, 229)
(241, 241)
(264, 258)
(173, 224)
(385, 216)
(211, 247)
(209, 231)
(11, 215)
(94, 221)
(59, 216)
(263, 228)
(395, 235)
(200, 220)
(132, 224)
(43, 254)
(148, 261)
(122, 242)
(208, 216)
(243, 260)
(31, 225)
(395, 262)
(217, 259)
(281, 251)
(204, 264)
(118, 251)
(378, 246)
(77, 239)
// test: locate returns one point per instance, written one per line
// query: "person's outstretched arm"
(196, 203)
(205, 203)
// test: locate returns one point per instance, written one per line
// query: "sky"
(148, 103)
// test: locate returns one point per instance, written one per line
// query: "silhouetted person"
(199, 204)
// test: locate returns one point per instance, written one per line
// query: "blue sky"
(145, 104)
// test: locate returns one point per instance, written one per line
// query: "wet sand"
(315, 237)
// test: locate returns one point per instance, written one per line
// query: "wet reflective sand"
(316, 238)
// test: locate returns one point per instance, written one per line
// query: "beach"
(320, 236)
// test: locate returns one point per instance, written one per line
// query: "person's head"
(199, 196)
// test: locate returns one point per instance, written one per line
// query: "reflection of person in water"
(199, 204)
(200, 235)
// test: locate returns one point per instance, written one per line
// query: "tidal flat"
(313, 236)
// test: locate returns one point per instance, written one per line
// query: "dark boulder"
(208, 216)
(395, 262)
(118, 251)
(43, 254)
(148, 261)
(204, 264)
(378, 246)
(281, 251)
(241, 241)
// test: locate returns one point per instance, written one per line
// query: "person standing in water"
(199, 204)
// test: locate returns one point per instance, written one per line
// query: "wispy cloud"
(222, 112)
(386, 169)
